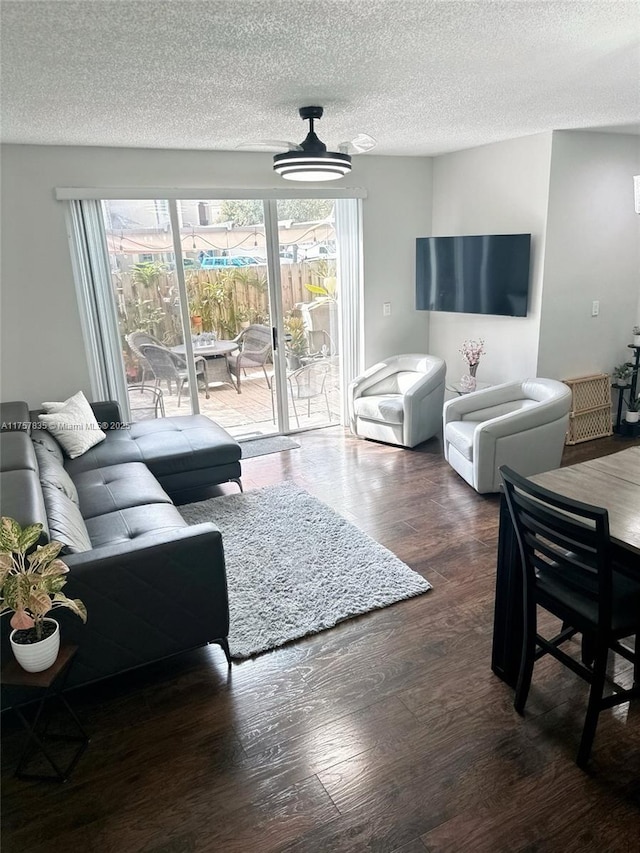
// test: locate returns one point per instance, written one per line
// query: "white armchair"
(399, 400)
(519, 424)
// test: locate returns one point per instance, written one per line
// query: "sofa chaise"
(153, 585)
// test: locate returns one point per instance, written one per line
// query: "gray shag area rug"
(263, 446)
(296, 567)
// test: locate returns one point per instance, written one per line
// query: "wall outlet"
(386, 309)
(595, 308)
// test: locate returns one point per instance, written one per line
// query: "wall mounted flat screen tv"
(473, 275)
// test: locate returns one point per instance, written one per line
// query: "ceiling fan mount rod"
(312, 144)
(311, 113)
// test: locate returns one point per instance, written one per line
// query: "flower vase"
(468, 382)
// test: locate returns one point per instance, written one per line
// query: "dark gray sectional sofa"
(153, 586)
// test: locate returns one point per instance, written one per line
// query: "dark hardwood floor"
(386, 733)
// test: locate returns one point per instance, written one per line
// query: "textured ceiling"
(421, 77)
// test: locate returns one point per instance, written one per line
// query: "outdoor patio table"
(215, 352)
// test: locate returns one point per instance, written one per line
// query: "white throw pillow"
(73, 424)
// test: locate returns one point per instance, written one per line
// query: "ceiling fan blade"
(269, 145)
(358, 145)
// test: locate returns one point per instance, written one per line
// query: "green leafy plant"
(634, 405)
(147, 274)
(324, 283)
(220, 298)
(31, 578)
(251, 212)
(297, 343)
(622, 372)
(636, 330)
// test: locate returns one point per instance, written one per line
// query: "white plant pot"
(36, 657)
(632, 417)
(636, 340)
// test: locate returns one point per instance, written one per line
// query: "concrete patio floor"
(247, 413)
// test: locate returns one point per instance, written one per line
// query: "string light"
(203, 239)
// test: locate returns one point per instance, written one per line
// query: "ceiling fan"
(310, 160)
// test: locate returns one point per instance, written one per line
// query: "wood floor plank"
(388, 733)
(549, 811)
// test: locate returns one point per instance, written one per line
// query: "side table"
(457, 388)
(50, 682)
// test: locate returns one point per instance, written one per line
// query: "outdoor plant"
(297, 344)
(31, 579)
(215, 295)
(326, 283)
(622, 372)
(147, 274)
(142, 315)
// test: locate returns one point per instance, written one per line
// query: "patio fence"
(220, 300)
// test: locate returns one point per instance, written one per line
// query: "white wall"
(494, 189)
(593, 253)
(42, 349)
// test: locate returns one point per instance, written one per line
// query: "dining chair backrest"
(161, 361)
(255, 341)
(563, 541)
(309, 381)
(138, 339)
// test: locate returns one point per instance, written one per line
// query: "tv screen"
(473, 275)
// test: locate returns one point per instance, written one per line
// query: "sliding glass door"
(227, 282)
(145, 288)
(307, 250)
(228, 307)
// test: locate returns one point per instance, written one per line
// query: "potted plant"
(622, 373)
(31, 580)
(633, 411)
(296, 339)
(636, 336)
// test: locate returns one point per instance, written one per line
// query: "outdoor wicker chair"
(171, 367)
(135, 340)
(255, 349)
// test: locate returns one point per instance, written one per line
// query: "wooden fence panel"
(224, 298)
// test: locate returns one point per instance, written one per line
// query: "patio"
(245, 414)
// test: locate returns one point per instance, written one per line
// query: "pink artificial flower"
(472, 350)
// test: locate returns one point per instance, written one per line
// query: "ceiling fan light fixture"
(307, 166)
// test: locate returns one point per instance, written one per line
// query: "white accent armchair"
(519, 424)
(399, 400)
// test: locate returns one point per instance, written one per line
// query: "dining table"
(612, 482)
(215, 353)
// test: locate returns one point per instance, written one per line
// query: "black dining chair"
(569, 569)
